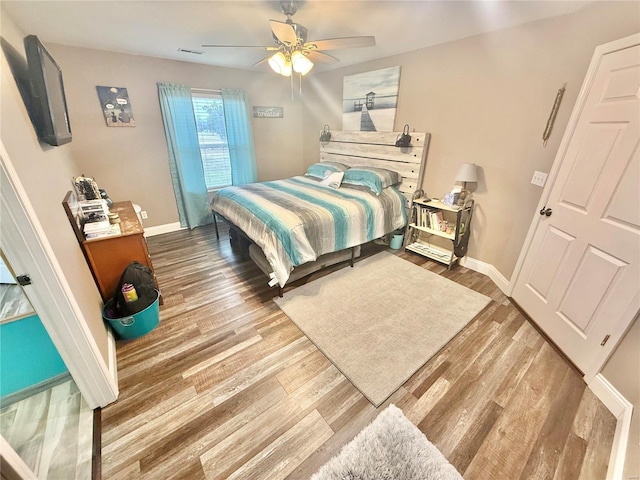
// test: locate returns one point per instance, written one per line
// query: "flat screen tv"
(48, 99)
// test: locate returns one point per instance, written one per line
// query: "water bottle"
(129, 293)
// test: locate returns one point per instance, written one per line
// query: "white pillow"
(332, 180)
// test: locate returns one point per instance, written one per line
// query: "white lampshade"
(301, 64)
(468, 172)
(280, 64)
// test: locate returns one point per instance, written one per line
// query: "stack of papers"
(94, 227)
(111, 229)
(94, 210)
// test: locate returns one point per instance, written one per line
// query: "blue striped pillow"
(375, 179)
(322, 169)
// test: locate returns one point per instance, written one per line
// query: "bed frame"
(370, 149)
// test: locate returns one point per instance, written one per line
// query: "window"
(212, 136)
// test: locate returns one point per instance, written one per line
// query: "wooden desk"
(109, 256)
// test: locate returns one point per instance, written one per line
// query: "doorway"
(43, 415)
(578, 278)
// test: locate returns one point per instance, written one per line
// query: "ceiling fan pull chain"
(291, 78)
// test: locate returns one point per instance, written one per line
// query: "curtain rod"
(206, 90)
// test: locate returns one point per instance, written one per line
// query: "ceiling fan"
(293, 52)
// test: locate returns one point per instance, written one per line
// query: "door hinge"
(605, 340)
(24, 280)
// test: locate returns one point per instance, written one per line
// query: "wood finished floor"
(228, 387)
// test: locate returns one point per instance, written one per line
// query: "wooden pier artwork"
(366, 123)
(371, 100)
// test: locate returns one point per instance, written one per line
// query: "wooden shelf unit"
(457, 221)
(108, 256)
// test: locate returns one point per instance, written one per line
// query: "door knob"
(546, 211)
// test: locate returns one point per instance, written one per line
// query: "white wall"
(46, 173)
(486, 99)
(131, 163)
(623, 372)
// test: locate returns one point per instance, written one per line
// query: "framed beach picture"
(370, 99)
(116, 106)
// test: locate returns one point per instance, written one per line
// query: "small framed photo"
(116, 106)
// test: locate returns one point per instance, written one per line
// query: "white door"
(580, 277)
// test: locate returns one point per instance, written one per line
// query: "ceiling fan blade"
(241, 46)
(264, 61)
(344, 42)
(284, 32)
(319, 57)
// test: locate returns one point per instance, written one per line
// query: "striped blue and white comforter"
(296, 220)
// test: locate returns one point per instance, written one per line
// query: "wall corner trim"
(113, 359)
(622, 409)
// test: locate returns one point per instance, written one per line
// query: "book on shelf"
(437, 221)
(431, 218)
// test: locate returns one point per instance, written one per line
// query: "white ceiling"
(160, 28)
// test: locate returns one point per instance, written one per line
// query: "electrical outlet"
(144, 215)
(539, 178)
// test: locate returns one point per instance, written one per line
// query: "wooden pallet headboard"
(377, 149)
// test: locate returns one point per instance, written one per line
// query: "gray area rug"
(381, 320)
(390, 448)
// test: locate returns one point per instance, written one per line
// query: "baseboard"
(622, 409)
(160, 229)
(490, 271)
(113, 359)
(35, 389)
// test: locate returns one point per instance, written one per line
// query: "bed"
(295, 226)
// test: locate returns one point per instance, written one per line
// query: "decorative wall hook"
(325, 134)
(404, 139)
(552, 116)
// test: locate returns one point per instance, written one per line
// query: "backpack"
(141, 277)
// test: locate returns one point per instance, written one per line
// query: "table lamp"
(468, 172)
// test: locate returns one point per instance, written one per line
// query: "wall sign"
(268, 112)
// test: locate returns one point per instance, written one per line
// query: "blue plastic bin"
(136, 325)
(396, 240)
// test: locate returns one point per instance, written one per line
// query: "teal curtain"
(185, 163)
(239, 137)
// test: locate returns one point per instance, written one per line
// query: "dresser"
(108, 256)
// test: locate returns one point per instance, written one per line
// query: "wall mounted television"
(49, 102)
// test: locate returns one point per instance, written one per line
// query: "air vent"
(185, 50)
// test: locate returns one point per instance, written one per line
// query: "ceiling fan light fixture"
(301, 64)
(280, 64)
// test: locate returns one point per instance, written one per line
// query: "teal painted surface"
(27, 355)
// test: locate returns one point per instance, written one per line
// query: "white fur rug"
(390, 448)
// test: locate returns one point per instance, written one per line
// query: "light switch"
(539, 178)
